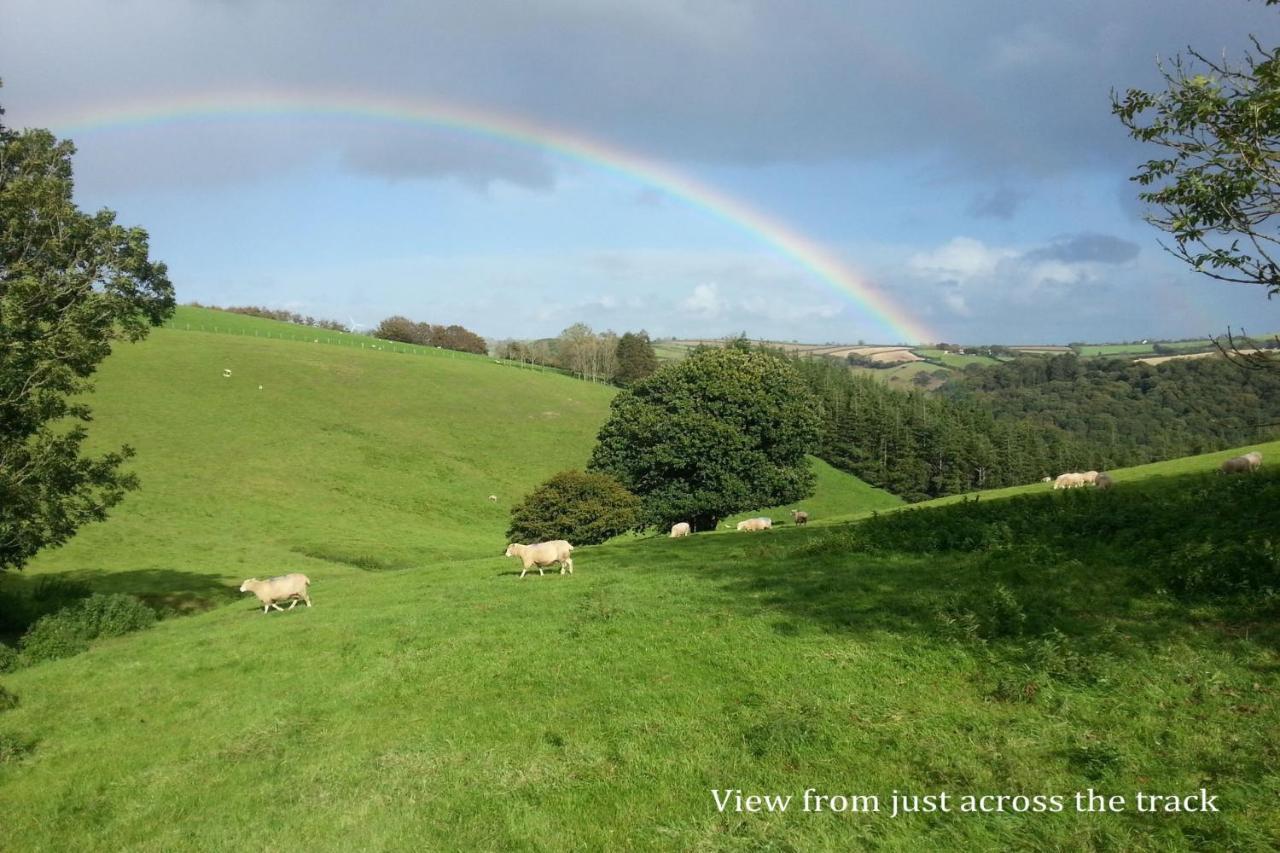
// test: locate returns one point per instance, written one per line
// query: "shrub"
(7, 700)
(69, 631)
(8, 658)
(584, 508)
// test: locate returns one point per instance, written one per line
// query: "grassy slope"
(836, 493)
(446, 704)
(344, 456)
(1203, 463)
(951, 359)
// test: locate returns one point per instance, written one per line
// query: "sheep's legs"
(277, 607)
(294, 604)
(566, 564)
(523, 573)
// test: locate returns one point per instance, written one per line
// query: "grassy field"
(1203, 464)
(838, 494)
(951, 359)
(1144, 349)
(430, 700)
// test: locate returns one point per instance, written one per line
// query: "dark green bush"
(583, 508)
(8, 658)
(69, 631)
(23, 602)
(7, 700)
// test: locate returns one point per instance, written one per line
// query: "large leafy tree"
(723, 431)
(636, 358)
(1216, 189)
(71, 284)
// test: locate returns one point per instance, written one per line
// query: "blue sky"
(961, 157)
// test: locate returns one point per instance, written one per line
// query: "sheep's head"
(512, 550)
(245, 587)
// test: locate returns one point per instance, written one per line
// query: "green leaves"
(1218, 189)
(582, 508)
(723, 431)
(70, 285)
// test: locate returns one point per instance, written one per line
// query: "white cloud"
(961, 259)
(704, 301)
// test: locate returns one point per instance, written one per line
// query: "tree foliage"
(723, 431)
(454, 337)
(71, 284)
(1216, 190)
(584, 508)
(636, 358)
(1034, 416)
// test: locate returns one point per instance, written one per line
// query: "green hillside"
(1204, 463)
(430, 700)
(319, 453)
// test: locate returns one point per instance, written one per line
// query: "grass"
(951, 359)
(430, 700)
(453, 706)
(1204, 463)
(837, 494)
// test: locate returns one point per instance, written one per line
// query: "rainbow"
(779, 236)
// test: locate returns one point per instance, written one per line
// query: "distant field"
(951, 359)
(1143, 349)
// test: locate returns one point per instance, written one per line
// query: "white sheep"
(799, 517)
(1255, 460)
(226, 373)
(1104, 481)
(493, 499)
(754, 524)
(1069, 481)
(269, 591)
(1090, 478)
(680, 529)
(543, 554)
(1047, 480)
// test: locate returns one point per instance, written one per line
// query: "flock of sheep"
(295, 587)
(1075, 480)
(1245, 464)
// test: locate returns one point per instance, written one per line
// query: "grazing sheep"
(1255, 460)
(1104, 481)
(1047, 480)
(753, 524)
(1069, 481)
(1237, 465)
(493, 499)
(799, 517)
(269, 591)
(543, 554)
(1090, 478)
(681, 529)
(226, 373)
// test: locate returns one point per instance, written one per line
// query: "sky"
(869, 170)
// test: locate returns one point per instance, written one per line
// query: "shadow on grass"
(1148, 561)
(25, 598)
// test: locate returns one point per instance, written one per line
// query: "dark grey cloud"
(1000, 203)
(984, 88)
(1087, 248)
